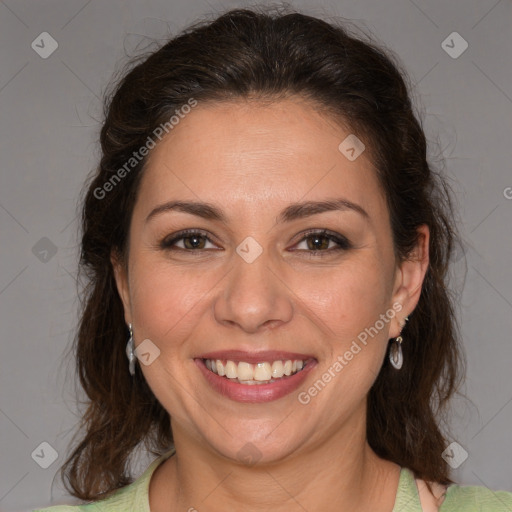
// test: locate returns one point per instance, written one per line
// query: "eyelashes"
(194, 241)
(342, 242)
(188, 234)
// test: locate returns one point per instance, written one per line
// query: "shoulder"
(121, 500)
(413, 494)
(61, 508)
(132, 497)
(476, 499)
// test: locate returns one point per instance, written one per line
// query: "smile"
(259, 373)
(254, 377)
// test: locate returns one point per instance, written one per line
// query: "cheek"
(165, 300)
(350, 297)
(352, 301)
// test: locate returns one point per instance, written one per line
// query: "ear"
(121, 278)
(409, 280)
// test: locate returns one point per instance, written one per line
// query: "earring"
(129, 351)
(396, 356)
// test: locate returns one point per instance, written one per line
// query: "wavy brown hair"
(269, 54)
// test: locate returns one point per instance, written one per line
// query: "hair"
(265, 54)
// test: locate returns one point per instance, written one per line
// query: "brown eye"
(192, 240)
(317, 242)
(320, 242)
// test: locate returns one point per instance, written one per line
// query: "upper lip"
(255, 357)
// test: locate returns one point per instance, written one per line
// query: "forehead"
(256, 153)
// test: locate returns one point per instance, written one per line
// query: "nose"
(254, 296)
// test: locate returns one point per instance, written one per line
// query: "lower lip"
(258, 392)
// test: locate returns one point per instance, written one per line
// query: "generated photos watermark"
(143, 151)
(343, 360)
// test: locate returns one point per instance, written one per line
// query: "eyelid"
(169, 241)
(342, 241)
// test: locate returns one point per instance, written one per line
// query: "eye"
(192, 240)
(318, 241)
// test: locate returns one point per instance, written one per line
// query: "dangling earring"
(129, 351)
(396, 356)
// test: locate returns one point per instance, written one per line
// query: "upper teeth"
(263, 371)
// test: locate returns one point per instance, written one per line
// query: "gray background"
(50, 112)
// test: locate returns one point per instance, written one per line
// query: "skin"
(252, 159)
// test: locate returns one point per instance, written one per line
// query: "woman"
(267, 244)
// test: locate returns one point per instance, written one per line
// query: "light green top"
(134, 497)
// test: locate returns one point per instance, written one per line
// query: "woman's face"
(253, 286)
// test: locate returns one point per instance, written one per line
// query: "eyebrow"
(292, 212)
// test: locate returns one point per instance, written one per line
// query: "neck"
(342, 473)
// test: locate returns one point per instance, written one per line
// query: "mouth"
(260, 373)
(255, 377)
